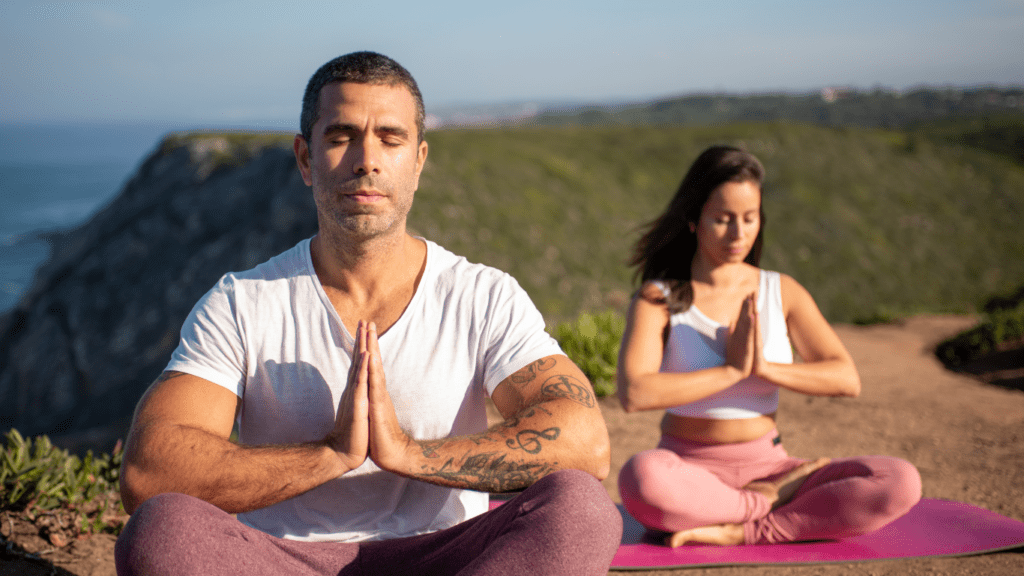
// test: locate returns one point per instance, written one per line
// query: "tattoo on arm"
(562, 386)
(528, 373)
(529, 440)
(489, 471)
(496, 471)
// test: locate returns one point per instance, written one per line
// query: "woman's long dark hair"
(666, 250)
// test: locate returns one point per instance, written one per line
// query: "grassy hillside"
(999, 133)
(877, 224)
(876, 108)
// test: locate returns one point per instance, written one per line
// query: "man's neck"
(369, 279)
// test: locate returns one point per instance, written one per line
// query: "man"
(357, 365)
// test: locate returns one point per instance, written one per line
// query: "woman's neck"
(718, 274)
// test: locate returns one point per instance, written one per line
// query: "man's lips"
(367, 196)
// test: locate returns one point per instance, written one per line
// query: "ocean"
(54, 177)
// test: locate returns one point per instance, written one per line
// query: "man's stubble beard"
(363, 222)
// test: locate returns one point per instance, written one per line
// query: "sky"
(246, 62)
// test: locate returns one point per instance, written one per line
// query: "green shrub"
(1001, 325)
(63, 494)
(592, 342)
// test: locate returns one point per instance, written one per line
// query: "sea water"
(54, 177)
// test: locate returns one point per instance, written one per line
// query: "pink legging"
(681, 485)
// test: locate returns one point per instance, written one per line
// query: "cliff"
(103, 314)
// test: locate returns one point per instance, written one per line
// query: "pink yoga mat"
(932, 528)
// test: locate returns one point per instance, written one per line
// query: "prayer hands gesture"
(745, 348)
(366, 424)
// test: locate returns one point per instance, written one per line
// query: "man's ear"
(421, 158)
(301, 148)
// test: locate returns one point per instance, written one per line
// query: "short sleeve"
(211, 341)
(515, 332)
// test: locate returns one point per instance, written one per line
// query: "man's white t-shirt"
(271, 336)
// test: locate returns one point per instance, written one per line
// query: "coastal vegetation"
(835, 106)
(63, 495)
(877, 224)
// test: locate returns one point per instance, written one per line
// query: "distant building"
(831, 93)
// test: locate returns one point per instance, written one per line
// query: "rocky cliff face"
(103, 315)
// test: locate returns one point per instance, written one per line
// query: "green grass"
(874, 228)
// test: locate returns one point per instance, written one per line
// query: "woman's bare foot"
(777, 491)
(781, 490)
(720, 534)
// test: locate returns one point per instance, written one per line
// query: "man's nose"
(367, 159)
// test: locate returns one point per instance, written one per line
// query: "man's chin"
(367, 227)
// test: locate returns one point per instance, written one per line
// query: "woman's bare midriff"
(710, 431)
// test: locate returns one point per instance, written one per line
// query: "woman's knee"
(651, 477)
(650, 487)
(891, 489)
(904, 486)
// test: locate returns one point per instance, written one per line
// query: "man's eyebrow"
(332, 129)
(392, 130)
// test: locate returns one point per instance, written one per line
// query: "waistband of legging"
(771, 441)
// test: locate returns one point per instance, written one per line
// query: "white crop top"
(696, 342)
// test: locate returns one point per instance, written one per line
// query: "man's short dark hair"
(361, 68)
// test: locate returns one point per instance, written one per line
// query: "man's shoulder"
(287, 264)
(457, 272)
(276, 273)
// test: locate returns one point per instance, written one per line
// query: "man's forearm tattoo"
(562, 386)
(528, 373)
(526, 440)
(529, 440)
(490, 472)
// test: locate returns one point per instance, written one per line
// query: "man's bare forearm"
(233, 477)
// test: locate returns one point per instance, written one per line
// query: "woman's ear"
(693, 227)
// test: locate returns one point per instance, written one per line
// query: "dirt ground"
(964, 433)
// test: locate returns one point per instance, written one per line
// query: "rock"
(103, 314)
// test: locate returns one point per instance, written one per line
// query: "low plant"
(63, 495)
(1002, 326)
(592, 342)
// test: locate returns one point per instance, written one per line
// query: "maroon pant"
(564, 524)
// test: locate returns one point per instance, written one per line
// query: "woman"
(710, 339)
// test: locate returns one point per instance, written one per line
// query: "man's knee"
(582, 502)
(162, 528)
